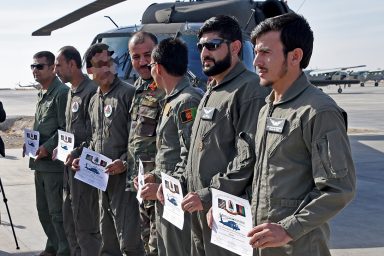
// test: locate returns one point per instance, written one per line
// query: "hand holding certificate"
(31, 141)
(140, 181)
(65, 145)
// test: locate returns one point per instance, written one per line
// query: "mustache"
(145, 66)
(209, 58)
(259, 69)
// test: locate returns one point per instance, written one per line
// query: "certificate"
(31, 141)
(92, 169)
(232, 220)
(140, 181)
(65, 145)
(172, 200)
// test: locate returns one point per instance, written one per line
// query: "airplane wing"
(75, 16)
(322, 82)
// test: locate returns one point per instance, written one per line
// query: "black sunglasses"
(39, 66)
(211, 45)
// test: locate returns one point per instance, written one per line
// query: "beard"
(282, 72)
(219, 66)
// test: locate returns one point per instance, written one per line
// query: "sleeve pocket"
(332, 160)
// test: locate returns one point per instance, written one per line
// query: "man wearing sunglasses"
(222, 144)
(145, 112)
(49, 117)
(81, 201)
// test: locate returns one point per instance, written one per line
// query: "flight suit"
(81, 201)
(145, 111)
(50, 117)
(221, 155)
(173, 140)
(110, 121)
(304, 173)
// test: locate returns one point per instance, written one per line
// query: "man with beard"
(304, 173)
(49, 117)
(145, 112)
(221, 153)
(81, 201)
(110, 121)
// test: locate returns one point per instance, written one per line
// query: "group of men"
(290, 157)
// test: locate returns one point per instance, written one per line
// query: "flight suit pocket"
(147, 121)
(245, 151)
(332, 161)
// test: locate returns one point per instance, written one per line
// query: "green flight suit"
(145, 112)
(81, 201)
(304, 173)
(110, 121)
(50, 117)
(221, 155)
(173, 140)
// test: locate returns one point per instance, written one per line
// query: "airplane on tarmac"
(29, 85)
(363, 76)
(336, 76)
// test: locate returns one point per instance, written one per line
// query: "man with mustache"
(145, 113)
(221, 153)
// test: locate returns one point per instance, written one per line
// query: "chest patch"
(275, 124)
(108, 110)
(187, 115)
(75, 107)
(208, 113)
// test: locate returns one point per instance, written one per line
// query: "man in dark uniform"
(110, 121)
(49, 117)
(81, 201)
(145, 112)
(222, 143)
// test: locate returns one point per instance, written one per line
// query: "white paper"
(140, 181)
(31, 141)
(232, 220)
(92, 169)
(65, 145)
(173, 195)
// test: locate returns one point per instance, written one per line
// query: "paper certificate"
(172, 200)
(92, 169)
(140, 181)
(31, 141)
(65, 145)
(232, 220)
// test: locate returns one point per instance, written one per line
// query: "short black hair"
(172, 54)
(47, 54)
(139, 37)
(295, 32)
(93, 50)
(70, 53)
(227, 27)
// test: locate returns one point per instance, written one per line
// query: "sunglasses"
(211, 45)
(39, 66)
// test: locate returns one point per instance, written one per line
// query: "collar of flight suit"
(81, 85)
(143, 84)
(111, 88)
(183, 83)
(298, 86)
(55, 83)
(236, 71)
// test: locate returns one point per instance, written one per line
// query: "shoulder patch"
(188, 115)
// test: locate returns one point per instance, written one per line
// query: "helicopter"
(175, 19)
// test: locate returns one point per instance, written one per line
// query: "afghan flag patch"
(188, 115)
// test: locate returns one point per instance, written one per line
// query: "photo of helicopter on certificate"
(92, 169)
(31, 142)
(232, 220)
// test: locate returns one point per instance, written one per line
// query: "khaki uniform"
(222, 147)
(173, 140)
(81, 201)
(49, 117)
(145, 112)
(110, 121)
(304, 173)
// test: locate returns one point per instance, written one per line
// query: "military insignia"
(167, 110)
(75, 107)
(108, 111)
(153, 86)
(208, 113)
(275, 124)
(187, 115)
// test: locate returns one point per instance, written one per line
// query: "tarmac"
(356, 231)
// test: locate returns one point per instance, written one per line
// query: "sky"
(347, 32)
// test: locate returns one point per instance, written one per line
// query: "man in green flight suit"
(145, 113)
(81, 201)
(49, 117)
(304, 174)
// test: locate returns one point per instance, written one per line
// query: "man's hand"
(192, 203)
(76, 164)
(54, 154)
(149, 190)
(148, 178)
(116, 167)
(41, 152)
(268, 235)
(69, 160)
(209, 218)
(160, 195)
